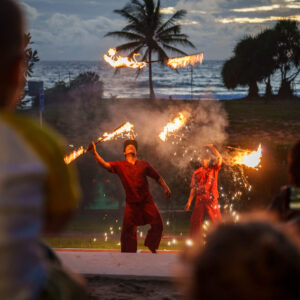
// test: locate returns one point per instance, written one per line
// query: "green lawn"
(96, 229)
(275, 122)
(111, 243)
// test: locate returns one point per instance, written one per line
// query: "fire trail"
(125, 129)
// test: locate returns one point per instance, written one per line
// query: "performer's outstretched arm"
(190, 200)
(101, 162)
(165, 186)
(216, 153)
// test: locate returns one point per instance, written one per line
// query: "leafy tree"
(31, 56)
(287, 54)
(230, 73)
(242, 68)
(146, 30)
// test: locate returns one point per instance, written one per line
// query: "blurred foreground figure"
(252, 260)
(204, 187)
(38, 193)
(287, 203)
(140, 207)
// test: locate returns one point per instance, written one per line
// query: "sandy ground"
(111, 288)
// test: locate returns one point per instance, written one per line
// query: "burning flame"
(120, 62)
(125, 128)
(176, 124)
(73, 155)
(249, 159)
(185, 61)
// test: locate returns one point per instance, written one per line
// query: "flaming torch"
(122, 62)
(126, 128)
(185, 61)
(173, 126)
(247, 158)
(176, 62)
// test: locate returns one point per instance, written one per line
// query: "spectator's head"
(294, 165)
(11, 53)
(130, 147)
(246, 261)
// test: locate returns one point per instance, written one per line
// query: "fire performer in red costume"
(204, 186)
(140, 207)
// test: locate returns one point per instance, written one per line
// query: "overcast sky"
(75, 29)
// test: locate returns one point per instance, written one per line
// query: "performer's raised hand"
(92, 148)
(167, 192)
(187, 207)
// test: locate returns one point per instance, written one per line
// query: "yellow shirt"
(34, 182)
(61, 187)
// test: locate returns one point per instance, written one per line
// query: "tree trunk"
(152, 95)
(268, 92)
(253, 90)
(285, 89)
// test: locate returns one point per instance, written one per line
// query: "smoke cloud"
(206, 124)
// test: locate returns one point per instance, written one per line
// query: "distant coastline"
(207, 81)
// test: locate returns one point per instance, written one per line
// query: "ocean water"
(201, 81)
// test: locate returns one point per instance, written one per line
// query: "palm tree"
(147, 31)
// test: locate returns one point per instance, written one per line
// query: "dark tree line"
(257, 58)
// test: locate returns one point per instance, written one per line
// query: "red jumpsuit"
(205, 184)
(140, 207)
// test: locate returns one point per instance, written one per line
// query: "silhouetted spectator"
(38, 193)
(254, 259)
(287, 203)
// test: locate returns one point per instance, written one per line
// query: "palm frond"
(178, 41)
(129, 46)
(125, 35)
(176, 16)
(125, 14)
(157, 14)
(144, 58)
(175, 50)
(136, 50)
(176, 29)
(162, 55)
(149, 7)
(135, 28)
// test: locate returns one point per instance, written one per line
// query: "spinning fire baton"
(117, 61)
(125, 128)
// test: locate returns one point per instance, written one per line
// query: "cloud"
(72, 37)
(30, 11)
(257, 8)
(76, 27)
(168, 10)
(73, 30)
(187, 22)
(171, 10)
(258, 20)
(294, 5)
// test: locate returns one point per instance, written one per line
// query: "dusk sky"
(75, 29)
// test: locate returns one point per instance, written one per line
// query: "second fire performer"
(140, 207)
(204, 186)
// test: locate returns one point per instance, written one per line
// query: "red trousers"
(203, 207)
(138, 214)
